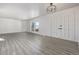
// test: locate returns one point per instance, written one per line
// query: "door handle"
(60, 28)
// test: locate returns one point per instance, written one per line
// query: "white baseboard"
(10, 32)
(54, 37)
(78, 44)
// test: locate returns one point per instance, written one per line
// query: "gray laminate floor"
(32, 44)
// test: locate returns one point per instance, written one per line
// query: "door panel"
(68, 23)
(54, 25)
(77, 24)
(71, 25)
(64, 24)
(57, 25)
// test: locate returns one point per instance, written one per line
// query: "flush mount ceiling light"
(51, 8)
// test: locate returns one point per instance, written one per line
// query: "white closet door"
(71, 25)
(54, 27)
(57, 25)
(64, 24)
(77, 24)
(68, 24)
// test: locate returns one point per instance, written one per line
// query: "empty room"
(39, 28)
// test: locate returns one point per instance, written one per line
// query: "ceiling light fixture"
(51, 8)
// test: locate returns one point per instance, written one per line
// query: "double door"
(63, 25)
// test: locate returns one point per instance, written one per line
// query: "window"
(35, 26)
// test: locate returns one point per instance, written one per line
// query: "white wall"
(25, 26)
(9, 26)
(13, 26)
(68, 18)
(44, 23)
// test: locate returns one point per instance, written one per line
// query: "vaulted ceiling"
(28, 10)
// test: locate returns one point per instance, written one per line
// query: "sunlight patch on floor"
(2, 39)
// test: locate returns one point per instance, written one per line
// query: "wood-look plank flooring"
(33, 44)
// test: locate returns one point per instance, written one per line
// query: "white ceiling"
(28, 10)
